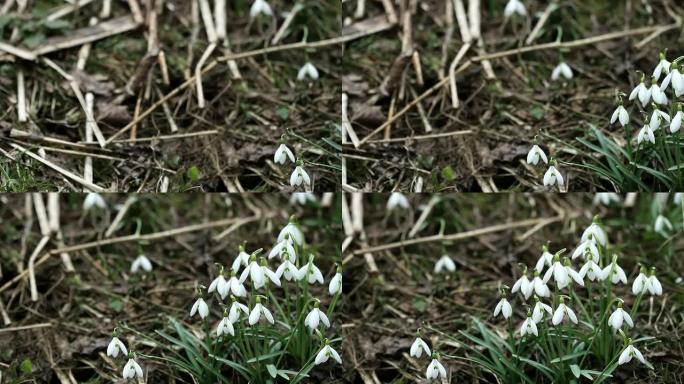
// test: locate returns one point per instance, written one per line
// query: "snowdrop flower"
(528, 327)
(219, 284)
(115, 346)
(561, 69)
(241, 259)
(315, 317)
(546, 258)
(234, 286)
(225, 327)
(559, 273)
(639, 286)
(588, 249)
(613, 272)
(677, 81)
(515, 6)
(234, 311)
(653, 284)
(299, 177)
(260, 7)
(535, 154)
(418, 347)
(132, 370)
(283, 247)
(258, 311)
(287, 270)
(642, 92)
(282, 154)
(292, 233)
(661, 224)
(311, 270)
(302, 198)
(628, 353)
(595, 233)
(538, 311)
(657, 94)
(201, 307)
(435, 369)
(445, 262)
(678, 198)
(646, 133)
(94, 200)
(255, 273)
(620, 114)
(676, 122)
(616, 318)
(606, 198)
(553, 176)
(523, 285)
(504, 307)
(562, 311)
(325, 353)
(141, 262)
(663, 65)
(268, 273)
(335, 286)
(591, 270)
(540, 288)
(397, 199)
(657, 117)
(309, 70)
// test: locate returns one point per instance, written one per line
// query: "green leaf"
(193, 173)
(419, 304)
(34, 40)
(448, 173)
(272, 370)
(537, 112)
(116, 305)
(57, 24)
(26, 366)
(575, 370)
(282, 112)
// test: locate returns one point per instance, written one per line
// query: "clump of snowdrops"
(256, 323)
(580, 318)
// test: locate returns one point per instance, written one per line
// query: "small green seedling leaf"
(576, 370)
(193, 173)
(26, 366)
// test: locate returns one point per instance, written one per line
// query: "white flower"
(201, 307)
(225, 327)
(309, 70)
(445, 262)
(335, 284)
(234, 311)
(591, 270)
(270, 274)
(628, 353)
(255, 273)
(559, 273)
(677, 82)
(582, 250)
(397, 199)
(616, 318)
(418, 347)
(621, 114)
(595, 233)
(606, 198)
(546, 258)
(642, 92)
(259, 310)
(524, 285)
(260, 6)
(639, 285)
(132, 369)
(283, 247)
(287, 270)
(515, 6)
(562, 311)
(646, 133)
(661, 224)
(535, 154)
(528, 327)
(504, 307)
(656, 118)
(94, 200)
(141, 262)
(435, 370)
(241, 259)
(540, 288)
(663, 65)
(676, 123)
(653, 285)
(282, 154)
(678, 198)
(315, 317)
(235, 286)
(114, 346)
(312, 270)
(302, 198)
(220, 285)
(325, 353)
(657, 95)
(614, 272)
(561, 69)
(552, 176)
(292, 233)
(538, 312)
(299, 177)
